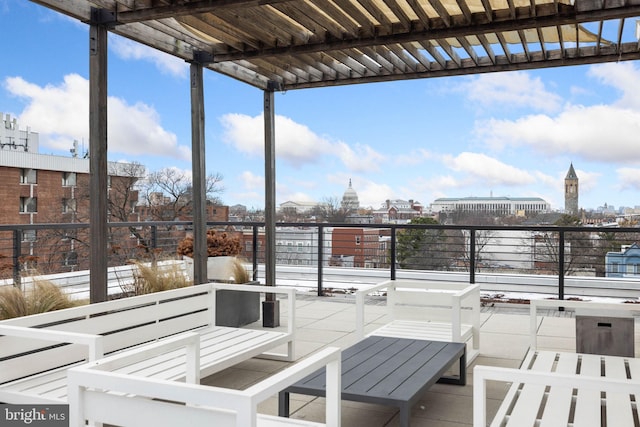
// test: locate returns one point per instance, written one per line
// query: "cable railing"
(562, 260)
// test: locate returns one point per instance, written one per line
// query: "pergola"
(279, 45)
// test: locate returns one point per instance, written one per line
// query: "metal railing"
(492, 255)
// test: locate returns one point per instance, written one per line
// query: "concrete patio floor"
(330, 321)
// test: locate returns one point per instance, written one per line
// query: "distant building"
(43, 188)
(299, 246)
(398, 211)
(497, 206)
(292, 207)
(625, 263)
(350, 202)
(360, 247)
(571, 190)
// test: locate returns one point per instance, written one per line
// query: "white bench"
(36, 351)
(556, 388)
(122, 390)
(422, 309)
(562, 389)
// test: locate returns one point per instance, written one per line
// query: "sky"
(511, 134)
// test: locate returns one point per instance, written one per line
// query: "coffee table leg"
(405, 414)
(283, 404)
(463, 368)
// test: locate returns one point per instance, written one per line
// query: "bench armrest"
(360, 303)
(94, 342)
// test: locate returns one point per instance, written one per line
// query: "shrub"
(218, 244)
(44, 297)
(157, 278)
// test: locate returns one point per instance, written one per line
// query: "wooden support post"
(199, 174)
(98, 227)
(270, 312)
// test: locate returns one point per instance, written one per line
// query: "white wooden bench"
(423, 309)
(562, 389)
(36, 351)
(123, 390)
(557, 388)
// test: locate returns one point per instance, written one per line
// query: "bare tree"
(330, 209)
(168, 193)
(482, 239)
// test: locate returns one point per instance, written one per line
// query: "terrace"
(326, 314)
(319, 44)
(330, 322)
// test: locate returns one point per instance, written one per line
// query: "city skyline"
(507, 134)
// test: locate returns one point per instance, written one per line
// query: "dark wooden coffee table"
(387, 371)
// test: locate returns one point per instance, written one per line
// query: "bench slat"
(559, 399)
(531, 396)
(619, 405)
(588, 405)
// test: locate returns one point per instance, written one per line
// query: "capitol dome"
(350, 199)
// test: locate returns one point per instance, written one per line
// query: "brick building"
(363, 247)
(42, 188)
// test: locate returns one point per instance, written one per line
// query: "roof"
(489, 199)
(292, 44)
(571, 174)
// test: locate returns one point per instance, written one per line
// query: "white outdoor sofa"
(37, 351)
(123, 390)
(429, 310)
(559, 388)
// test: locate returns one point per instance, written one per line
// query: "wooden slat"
(531, 396)
(348, 23)
(619, 411)
(557, 409)
(588, 404)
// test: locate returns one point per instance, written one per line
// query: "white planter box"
(219, 268)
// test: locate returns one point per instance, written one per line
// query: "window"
(28, 204)
(358, 240)
(68, 205)
(70, 259)
(68, 179)
(28, 176)
(29, 235)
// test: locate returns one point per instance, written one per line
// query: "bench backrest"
(431, 301)
(123, 323)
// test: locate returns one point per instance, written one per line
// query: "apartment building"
(43, 188)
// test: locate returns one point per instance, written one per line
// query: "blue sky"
(503, 134)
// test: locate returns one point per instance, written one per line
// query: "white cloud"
(488, 169)
(251, 181)
(371, 193)
(60, 114)
(508, 90)
(629, 178)
(624, 76)
(598, 133)
(130, 50)
(296, 144)
(361, 159)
